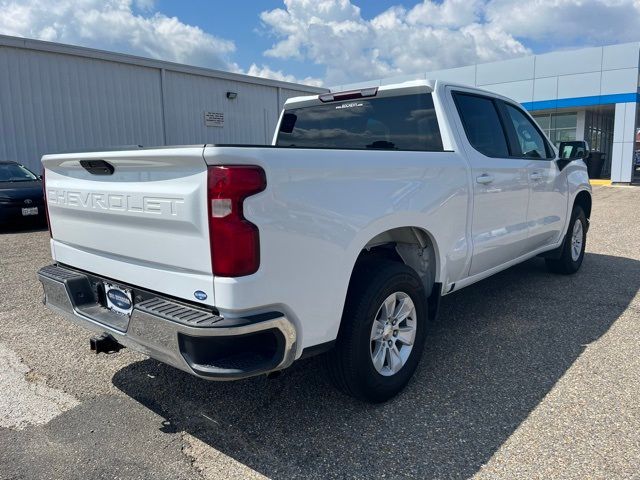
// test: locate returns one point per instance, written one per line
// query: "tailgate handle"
(97, 167)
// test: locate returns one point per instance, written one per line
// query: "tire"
(351, 364)
(572, 252)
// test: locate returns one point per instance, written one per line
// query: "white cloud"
(114, 25)
(265, 71)
(396, 42)
(568, 23)
(434, 35)
(451, 13)
(129, 26)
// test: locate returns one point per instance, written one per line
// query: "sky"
(326, 42)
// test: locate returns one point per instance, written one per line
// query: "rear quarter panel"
(321, 207)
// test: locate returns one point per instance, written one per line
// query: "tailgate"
(145, 224)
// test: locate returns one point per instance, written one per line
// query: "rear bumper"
(14, 213)
(187, 337)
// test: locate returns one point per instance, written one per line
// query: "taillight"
(46, 204)
(234, 241)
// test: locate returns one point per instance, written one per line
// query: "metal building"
(56, 98)
(589, 94)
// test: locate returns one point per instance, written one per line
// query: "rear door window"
(482, 124)
(406, 122)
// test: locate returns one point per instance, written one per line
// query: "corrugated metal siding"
(52, 103)
(248, 119)
(54, 98)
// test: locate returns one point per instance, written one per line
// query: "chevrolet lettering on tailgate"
(115, 202)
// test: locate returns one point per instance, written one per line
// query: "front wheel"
(573, 247)
(382, 333)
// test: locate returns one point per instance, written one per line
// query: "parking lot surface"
(525, 375)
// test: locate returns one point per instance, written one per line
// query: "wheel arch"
(420, 240)
(584, 200)
(413, 246)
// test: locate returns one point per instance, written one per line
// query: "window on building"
(558, 127)
(565, 127)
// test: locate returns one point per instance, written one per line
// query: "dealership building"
(57, 98)
(589, 94)
(61, 98)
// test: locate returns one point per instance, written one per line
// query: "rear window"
(406, 122)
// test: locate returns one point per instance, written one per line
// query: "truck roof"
(416, 85)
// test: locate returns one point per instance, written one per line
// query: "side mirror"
(573, 150)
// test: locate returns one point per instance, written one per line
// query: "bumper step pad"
(179, 313)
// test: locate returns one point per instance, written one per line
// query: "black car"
(21, 195)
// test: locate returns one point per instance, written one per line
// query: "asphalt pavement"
(525, 375)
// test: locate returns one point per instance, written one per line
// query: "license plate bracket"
(119, 300)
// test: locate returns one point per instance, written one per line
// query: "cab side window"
(531, 143)
(482, 124)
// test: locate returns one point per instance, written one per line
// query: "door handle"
(537, 176)
(484, 178)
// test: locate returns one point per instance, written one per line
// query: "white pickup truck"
(341, 237)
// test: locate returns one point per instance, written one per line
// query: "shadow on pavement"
(496, 351)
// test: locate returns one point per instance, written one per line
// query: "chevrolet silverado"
(229, 261)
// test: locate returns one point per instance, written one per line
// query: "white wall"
(587, 72)
(250, 118)
(623, 142)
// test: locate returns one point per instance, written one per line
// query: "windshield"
(405, 122)
(12, 172)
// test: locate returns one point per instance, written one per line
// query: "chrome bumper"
(179, 334)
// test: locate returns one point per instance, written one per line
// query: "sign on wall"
(214, 119)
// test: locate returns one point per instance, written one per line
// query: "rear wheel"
(573, 247)
(382, 333)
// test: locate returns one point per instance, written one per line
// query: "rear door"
(138, 217)
(548, 200)
(500, 183)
